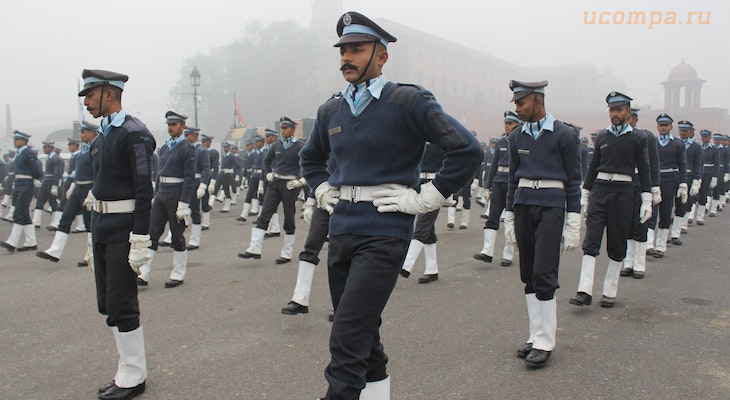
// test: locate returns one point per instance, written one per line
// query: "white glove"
(400, 198)
(201, 190)
(450, 201)
(211, 186)
(270, 177)
(183, 212)
(726, 177)
(89, 201)
(682, 192)
(327, 196)
(585, 195)
(89, 256)
(571, 233)
(713, 182)
(37, 183)
(474, 184)
(1, 187)
(54, 191)
(70, 189)
(139, 252)
(309, 210)
(656, 194)
(237, 179)
(695, 188)
(645, 209)
(509, 227)
(260, 189)
(485, 195)
(295, 183)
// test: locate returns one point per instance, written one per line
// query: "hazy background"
(45, 44)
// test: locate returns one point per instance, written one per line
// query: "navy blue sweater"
(283, 161)
(384, 144)
(26, 163)
(619, 155)
(672, 156)
(694, 161)
(500, 159)
(178, 162)
(711, 163)
(554, 155)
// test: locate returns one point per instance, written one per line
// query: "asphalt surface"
(221, 335)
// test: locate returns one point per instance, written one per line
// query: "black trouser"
(638, 231)
(614, 212)
(253, 188)
(720, 189)
(425, 232)
(195, 204)
(224, 181)
(44, 195)
(62, 193)
(275, 194)
(669, 183)
(204, 205)
(539, 231)
(497, 201)
(705, 189)
(22, 195)
(362, 273)
(74, 206)
(318, 229)
(116, 286)
(163, 211)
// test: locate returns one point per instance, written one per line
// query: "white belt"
(21, 176)
(689, 171)
(709, 165)
(84, 182)
(171, 179)
(354, 194)
(428, 175)
(227, 170)
(287, 177)
(502, 169)
(607, 176)
(114, 207)
(540, 183)
(198, 176)
(49, 175)
(257, 171)
(665, 170)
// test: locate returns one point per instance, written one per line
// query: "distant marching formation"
(643, 190)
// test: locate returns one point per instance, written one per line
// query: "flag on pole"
(237, 113)
(81, 105)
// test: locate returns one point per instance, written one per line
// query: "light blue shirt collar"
(173, 142)
(688, 142)
(19, 151)
(535, 129)
(619, 130)
(359, 99)
(117, 119)
(664, 139)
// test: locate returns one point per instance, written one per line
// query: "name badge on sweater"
(522, 151)
(93, 152)
(603, 146)
(335, 130)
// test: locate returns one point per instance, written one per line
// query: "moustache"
(347, 66)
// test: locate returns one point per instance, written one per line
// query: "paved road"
(221, 335)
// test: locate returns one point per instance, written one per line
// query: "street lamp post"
(195, 82)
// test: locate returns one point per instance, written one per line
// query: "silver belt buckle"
(610, 177)
(355, 194)
(535, 184)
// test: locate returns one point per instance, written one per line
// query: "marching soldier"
(635, 261)
(77, 193)
(281, 167)
(209, 198)
(607, 198)
(256, 159)
(120, 196)
(370, 194)
(49, 190)
(202, 178)
(68, 178)
(694, 178)
(544, 185)
(718, 194)
(171, 205)
(495, 194)
(225, 177)
(711, 175)
(237, 174)
(28, 175)
(672, 181)
(8, 186)
(270, 137)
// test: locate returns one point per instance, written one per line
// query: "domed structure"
(683, 77)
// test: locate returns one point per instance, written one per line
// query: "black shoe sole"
(483, 257)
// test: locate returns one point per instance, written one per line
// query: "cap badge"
(346, 19)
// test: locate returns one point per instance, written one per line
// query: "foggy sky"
(45, 44)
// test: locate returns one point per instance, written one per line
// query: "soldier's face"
(509, 126)
(706, 139)
(664, 128)
(72, 148)
(685, 133)
(91, 102)
(174, 129)
(354, 58)
(87, 135)
(191, 138)
(619, 115)
(206, 144)
(18, 143)
(633, 119)
(287, 131)
(47, 149)
(525, 108)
